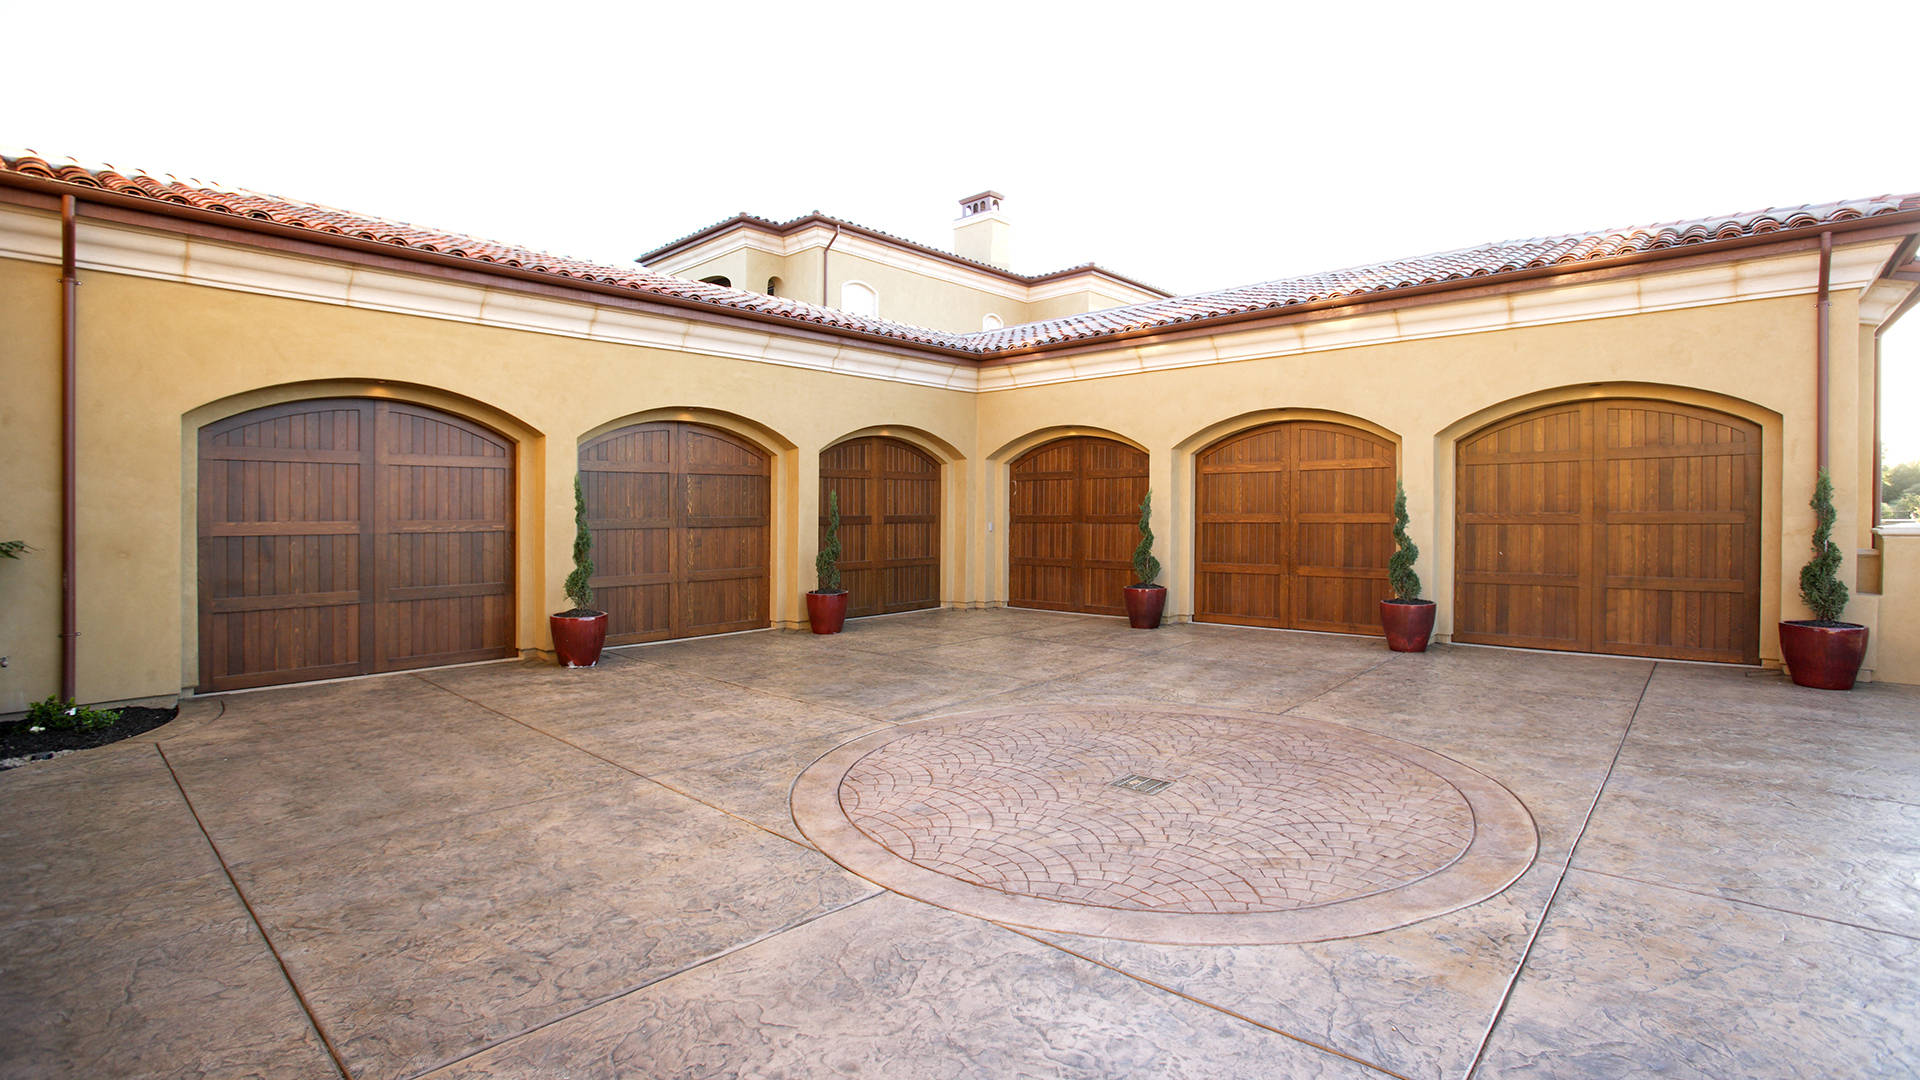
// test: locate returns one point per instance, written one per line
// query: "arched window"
(858, 298)
(719, 279)
(991, 322)
(773, 286)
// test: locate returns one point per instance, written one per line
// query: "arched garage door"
(1618, 526)
(1294, 527)
(680, 515)
(889, 523)
(1075, 523)
(345, 536)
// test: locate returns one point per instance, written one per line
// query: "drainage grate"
(1145, 785)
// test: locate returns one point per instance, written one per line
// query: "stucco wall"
(1753, 359)
(1893, 645)
(159, 358)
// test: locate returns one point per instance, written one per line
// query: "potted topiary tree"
(1407, 619)
(579, 633)
(1823, 652)
(827, 605)
(1145, 600)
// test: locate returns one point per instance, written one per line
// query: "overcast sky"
(1190, 146)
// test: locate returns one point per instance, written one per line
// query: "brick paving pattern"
(1260, 817)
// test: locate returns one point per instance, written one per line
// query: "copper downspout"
(823, 265)
(69, 355)
(1820, 353)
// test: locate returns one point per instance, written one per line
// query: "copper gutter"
(69, 381)
(1823, 315)
(824, 252)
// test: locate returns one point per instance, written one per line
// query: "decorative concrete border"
(1504, 844)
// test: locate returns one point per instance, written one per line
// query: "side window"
(773, 286)
(859, 299)
(991, 322)
(719, 279)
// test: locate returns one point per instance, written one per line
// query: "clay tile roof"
(1483, 261)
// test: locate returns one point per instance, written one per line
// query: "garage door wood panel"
(1074, 524)
(1612, 526)
(342, 537)
(889, 523)
(1294, 524)
(681, 517)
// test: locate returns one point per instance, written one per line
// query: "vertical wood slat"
(682, 519)
(1075, 503)
(279, 604)
(1293, 527)
(889, 523)
(1653, 551)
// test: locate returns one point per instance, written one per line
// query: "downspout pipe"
(824, 252)
(1821, 347)
(69, 381)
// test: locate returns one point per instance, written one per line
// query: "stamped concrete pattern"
(1247, 823)
(515, 870)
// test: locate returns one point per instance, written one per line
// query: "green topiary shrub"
(57, 715)
(1146, 568)
(827, 563)
(1820, 584)
(1400, 576)
(578, 590)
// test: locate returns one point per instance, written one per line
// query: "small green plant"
(66, 716)
(827, 563)
(1146, 568)
(578, 590)
(1820, 584)
(13, 549)
(1401, 579)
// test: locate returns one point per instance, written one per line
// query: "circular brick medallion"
(1266, 829)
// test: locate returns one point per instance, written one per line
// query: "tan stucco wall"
(30, 483)
(905, 296)
(159, 359)
(1893, 643)
(1754, 359)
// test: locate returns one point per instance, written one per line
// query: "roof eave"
(239, 222)
(1890, 222)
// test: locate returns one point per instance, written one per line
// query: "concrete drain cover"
(1279, 829)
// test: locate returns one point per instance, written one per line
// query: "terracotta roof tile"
(1486, 260)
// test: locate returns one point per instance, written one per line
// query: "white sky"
(1191, 146)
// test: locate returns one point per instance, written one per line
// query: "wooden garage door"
(1611, 526)
(680, 515)
(889, 523)
(1075, 523)
(342, 537)
(1294, 525)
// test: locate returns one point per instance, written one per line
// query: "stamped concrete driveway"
(511, 870)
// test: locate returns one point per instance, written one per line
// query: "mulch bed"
(17, 742)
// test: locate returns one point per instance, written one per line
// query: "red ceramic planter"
(1408, 623)
(1825, 656)
(577, 639)
(1145, 603)
(827, 611)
